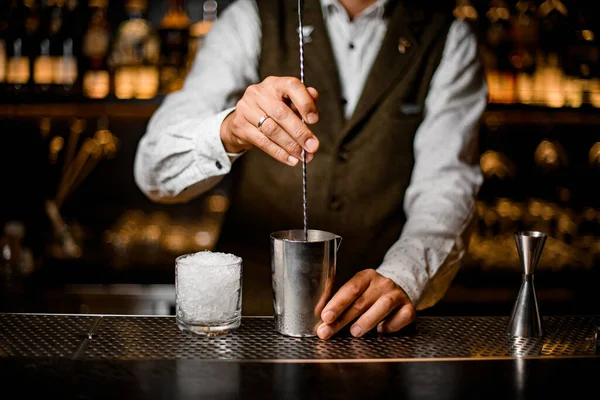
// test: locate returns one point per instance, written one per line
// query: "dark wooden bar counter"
(135, 357)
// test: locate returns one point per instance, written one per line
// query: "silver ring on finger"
(262, 121)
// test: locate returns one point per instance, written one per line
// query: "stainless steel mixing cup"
(302, 273)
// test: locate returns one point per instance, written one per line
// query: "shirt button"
(335, 203)
(343, 155)
(351, 46)
(218, 164)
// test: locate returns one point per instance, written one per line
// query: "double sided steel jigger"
(525, 319)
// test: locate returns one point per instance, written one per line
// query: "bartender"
(393, 98)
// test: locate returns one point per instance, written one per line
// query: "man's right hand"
(283, 135)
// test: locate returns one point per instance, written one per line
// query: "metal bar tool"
(304, 188)
(303, 274)
(525, 320)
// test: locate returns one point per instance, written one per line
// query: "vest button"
(335, 203)
(343, 155)
(403, 45)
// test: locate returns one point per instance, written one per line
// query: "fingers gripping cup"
(208, 292)
(303, 273)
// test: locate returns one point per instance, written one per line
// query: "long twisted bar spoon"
(304, 191)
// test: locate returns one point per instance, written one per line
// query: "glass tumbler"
(208, 292)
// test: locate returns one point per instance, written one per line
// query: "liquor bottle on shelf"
(525, 36)
(555, 25)
(65, 72)
(23, 31)
(581, 53)
(554, 16)
(200, 29)
(550, 82)
(45, 56)
(499, 71)
(174, 34)
(135, 54)
(4, 40)
(582, 60)
(95, 47)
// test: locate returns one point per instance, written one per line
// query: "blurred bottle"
(174, 35)
(16, 261)
(200, 29)
(4, 40)
(554, 26)
(66, 71)
(499, 71)
(553, 81)
(46, 55)
(95, 47)
(135, 54)
(588, 231)
(582, 55)
(525, 37)
(22, 33)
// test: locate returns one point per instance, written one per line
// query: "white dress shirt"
(181, 154)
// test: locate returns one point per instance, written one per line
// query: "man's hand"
(377, 300)
(285, 101)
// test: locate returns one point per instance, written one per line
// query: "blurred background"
(80, 79)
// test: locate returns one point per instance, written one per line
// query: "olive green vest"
(357, 180)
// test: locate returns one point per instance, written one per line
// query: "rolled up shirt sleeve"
(181, 154)
(440, 200)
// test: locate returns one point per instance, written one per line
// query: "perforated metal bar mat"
(31, 335)
(154, 338)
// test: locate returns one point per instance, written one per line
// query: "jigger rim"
(298, 236)
(535, 234)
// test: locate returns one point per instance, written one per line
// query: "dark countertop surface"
(137, 357)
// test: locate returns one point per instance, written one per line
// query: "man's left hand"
(377, 300)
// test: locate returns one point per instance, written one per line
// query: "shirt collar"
(376, 9)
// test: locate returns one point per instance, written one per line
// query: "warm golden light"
(524, 88)
(535, 208)
(587, 35)
(504, 208)
(594, 155)
(553, 83)
(594, 91)
(203, 239)
(175, 239)
(125, 81)
(465, 10)
(18, 70)
(218, 203)
(147, 82)
(56, 145)
(574, 92)
(152, 233)
(589, 214)
(43, 70)
(496, 164)
(45, 127)
(96, 84)
(65, 71)
(2, 61)
(550, 155)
